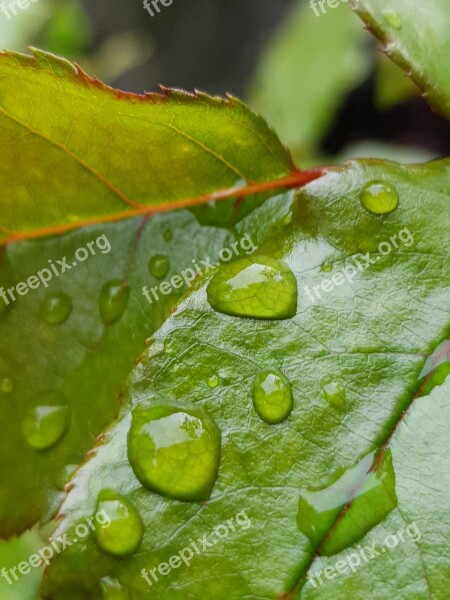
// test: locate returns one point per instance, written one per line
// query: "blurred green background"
(321, 82)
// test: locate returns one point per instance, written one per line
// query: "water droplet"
(379, 198)
(159, 266)
(168, 235)
(287, 219)
(6, 385)
(334, 393)
(392, 18)
(272, 396)
(112, 589)
(56, 308)
(175, 451)
(113, 300)
(258, 287)
(124, 534)
(46, 423)
(326, 267)
(213, 381)
(369, 486)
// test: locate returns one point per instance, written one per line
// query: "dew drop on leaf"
(392, 18)
(326, 267)
(334, 394)
(272, 396)
(124, 534)
(6, 385)
(287, 219)
(47, 422)
(369, 486)
(175, 451)
(112, 589)
(213, 381)
(56, 308)
(168, 235)
(379, 198)
(257, 287)
(113, 300)
(159, 266)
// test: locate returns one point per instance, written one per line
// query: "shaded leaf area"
(82, 358)
(415, 36)
(313, 62)
(370, 339)
(105, 155)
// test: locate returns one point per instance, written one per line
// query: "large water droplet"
(369, 486)
(159, 266)
(6, 385)
(124, 533)
(334, 393)
(175, 451)
(46, 423)
(112, 589)
(113, 300)
(258, 287)
(272, 396)
(56, 308)
(392, 18)
(379, 198)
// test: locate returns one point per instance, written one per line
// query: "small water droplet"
(334, 394)
(258, 287)
(392, 18)
(113, 300)
(112, 589)
(175, 451)
(6, 385)
(159, 266)
(124, 534)
(287, 219)
(213, 381)
(56, 308)
(379, 198)
(369, 487)
(272, 396)
(168, 235)
(326, 267)
(46, 423)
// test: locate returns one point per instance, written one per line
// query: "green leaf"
(306, 72)
(116, 155)
(415, 36)
(86, 358)
(374, 309)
